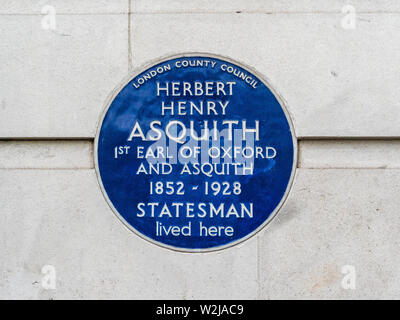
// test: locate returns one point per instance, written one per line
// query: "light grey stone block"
(245, 6)
(64, 7)
(64, 154)
(59, 218)
(334, 218)
(55, 82)
(349, 154)
(335, 81)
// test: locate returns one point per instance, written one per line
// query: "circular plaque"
(195, 152)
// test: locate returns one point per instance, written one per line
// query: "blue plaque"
(195, 152)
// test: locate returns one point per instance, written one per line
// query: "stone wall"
(335, 63)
